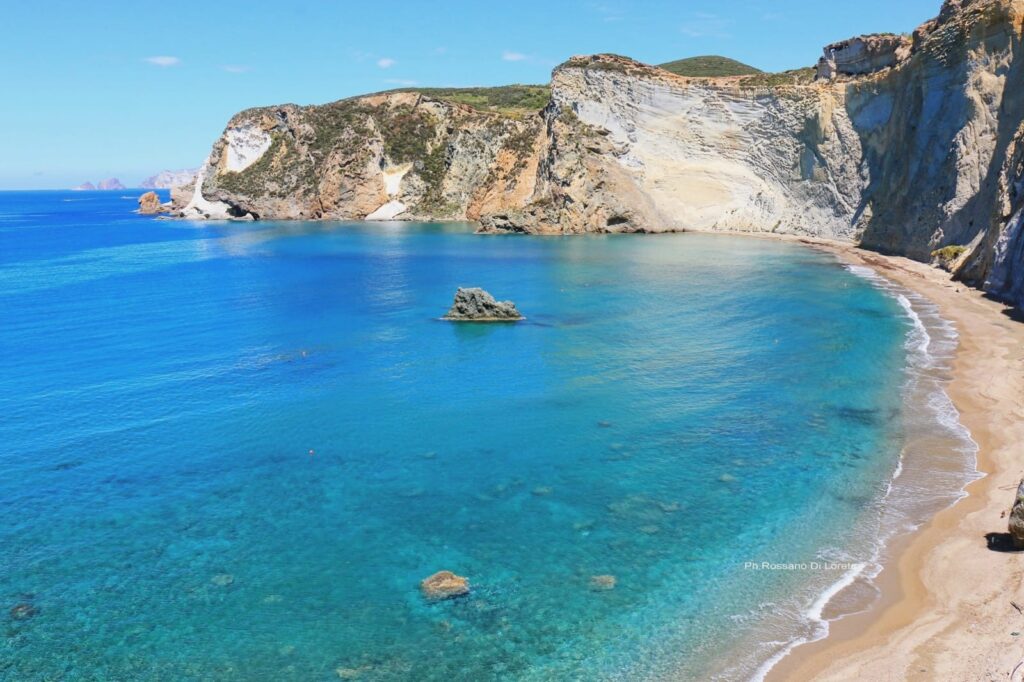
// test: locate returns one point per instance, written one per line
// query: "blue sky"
(94, 90)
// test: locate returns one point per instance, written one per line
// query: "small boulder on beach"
(1017, 518)
(444, 585)
(476, 305)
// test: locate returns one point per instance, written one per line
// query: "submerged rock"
(476, 305)
(1017, 518)
(602, 583)
(23, 611)
(444, 585)
(222, 579)
(353, 673)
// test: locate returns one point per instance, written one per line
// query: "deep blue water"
(232, 450)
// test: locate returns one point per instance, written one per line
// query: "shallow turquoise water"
(280, 404)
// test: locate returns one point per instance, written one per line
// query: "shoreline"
(944, 610)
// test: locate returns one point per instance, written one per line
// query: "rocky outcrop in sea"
(149, 204)
(444, 585)
(476, 305)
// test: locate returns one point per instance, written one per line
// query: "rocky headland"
(901, 144)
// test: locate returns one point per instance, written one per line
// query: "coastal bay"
(585, 465)
(947, 593)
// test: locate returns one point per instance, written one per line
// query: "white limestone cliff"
(904, 144)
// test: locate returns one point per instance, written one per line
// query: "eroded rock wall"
(389, 156)
(904, 144)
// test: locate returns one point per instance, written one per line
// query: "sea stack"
(149, 204)
(1017, 518)
(476, 305)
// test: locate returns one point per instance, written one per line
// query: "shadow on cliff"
(913, 156)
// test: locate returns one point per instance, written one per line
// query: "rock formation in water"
(476, 305)
(1017, 518)
(84, 187)
(23, 611)
(110, 184)
(149, 204)
(444, 585)
(903, 144)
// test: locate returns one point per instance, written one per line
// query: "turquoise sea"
(231, 451)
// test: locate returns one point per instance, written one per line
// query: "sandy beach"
(952, 598)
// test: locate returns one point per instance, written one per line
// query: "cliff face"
(390, 156)
(902, 144)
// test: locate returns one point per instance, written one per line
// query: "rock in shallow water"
(1017, 518)
(476, 305)
(23, 611)
(222, 579)
(444, 585)
(602, 583)
(149, 204)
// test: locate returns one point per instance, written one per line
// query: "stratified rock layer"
(901, 144)
(476, 305)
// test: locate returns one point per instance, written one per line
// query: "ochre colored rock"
(444, 585)
(149, 204)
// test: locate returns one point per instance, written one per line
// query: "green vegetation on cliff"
(708, 66)
(770, 80)
(510, 100)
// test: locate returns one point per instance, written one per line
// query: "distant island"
(108, 184)
(169, 179)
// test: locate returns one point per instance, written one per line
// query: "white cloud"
(705, 25)
(608, 12)
(235, 68)
(513, 56)
(405, 82)
(385, 62)
(163, 61)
